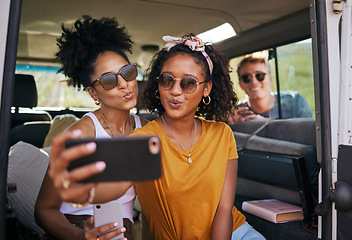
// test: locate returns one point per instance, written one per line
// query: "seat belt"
(254, 133)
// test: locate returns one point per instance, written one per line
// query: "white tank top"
(126, 200)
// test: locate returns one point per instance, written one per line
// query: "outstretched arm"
(48, 215)
(222, 223)
(67, 183)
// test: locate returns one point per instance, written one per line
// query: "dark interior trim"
(294, 27)
(281, 170)
(322, 104)
(38, 60)
(6, 102)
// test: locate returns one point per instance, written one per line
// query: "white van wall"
(4, 20)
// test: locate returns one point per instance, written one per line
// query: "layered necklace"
(107, 124)
(189, 159)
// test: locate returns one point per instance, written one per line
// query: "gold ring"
(66, 184)
(91, 195)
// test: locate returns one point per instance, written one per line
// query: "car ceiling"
(147, 21)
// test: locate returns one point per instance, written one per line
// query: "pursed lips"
(175, 103)
(128, 95)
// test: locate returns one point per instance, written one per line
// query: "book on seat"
(273, 210)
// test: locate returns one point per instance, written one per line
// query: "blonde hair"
(257, 57)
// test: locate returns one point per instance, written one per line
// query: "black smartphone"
(134, 158)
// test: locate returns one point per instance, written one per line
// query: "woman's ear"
(207, 89)
(93, 93)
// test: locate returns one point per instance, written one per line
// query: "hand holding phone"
(106, 213)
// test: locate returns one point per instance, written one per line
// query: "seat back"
(26, 169)
(30, 132)
(298, 130)
(279, 161)
(25, 98)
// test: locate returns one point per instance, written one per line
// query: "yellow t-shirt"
(183, 202)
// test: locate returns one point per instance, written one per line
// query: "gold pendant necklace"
(189, 159)
(107, 124)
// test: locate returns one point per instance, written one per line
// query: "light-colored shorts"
(246, 232)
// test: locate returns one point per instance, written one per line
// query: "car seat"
(27, 124)
(25, 98)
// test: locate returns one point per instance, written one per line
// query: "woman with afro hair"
(189, 87)
(92, 54)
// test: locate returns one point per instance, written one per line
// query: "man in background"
(254, 78)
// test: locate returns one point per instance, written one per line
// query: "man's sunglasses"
(109, 80)
(188, 84)
(247, 78)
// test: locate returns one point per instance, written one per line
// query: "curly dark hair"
(80, 46)
(223, 97)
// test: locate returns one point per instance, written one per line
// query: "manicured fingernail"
(116, 224)
(123, 229)
(100, 165)
(91, 146)
(76, 132)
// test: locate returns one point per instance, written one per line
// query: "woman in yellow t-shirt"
(190, 88)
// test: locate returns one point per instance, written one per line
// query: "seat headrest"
(25, 91)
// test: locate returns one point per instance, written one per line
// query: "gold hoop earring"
(97, 102)
(209, 100)
(156, 94)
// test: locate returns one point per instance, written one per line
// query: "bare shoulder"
(86, 125)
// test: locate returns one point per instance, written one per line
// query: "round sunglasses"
(188, 84)
(247, 78)
(110, 80)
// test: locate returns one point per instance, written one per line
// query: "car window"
(295, 65)
(53, 90)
